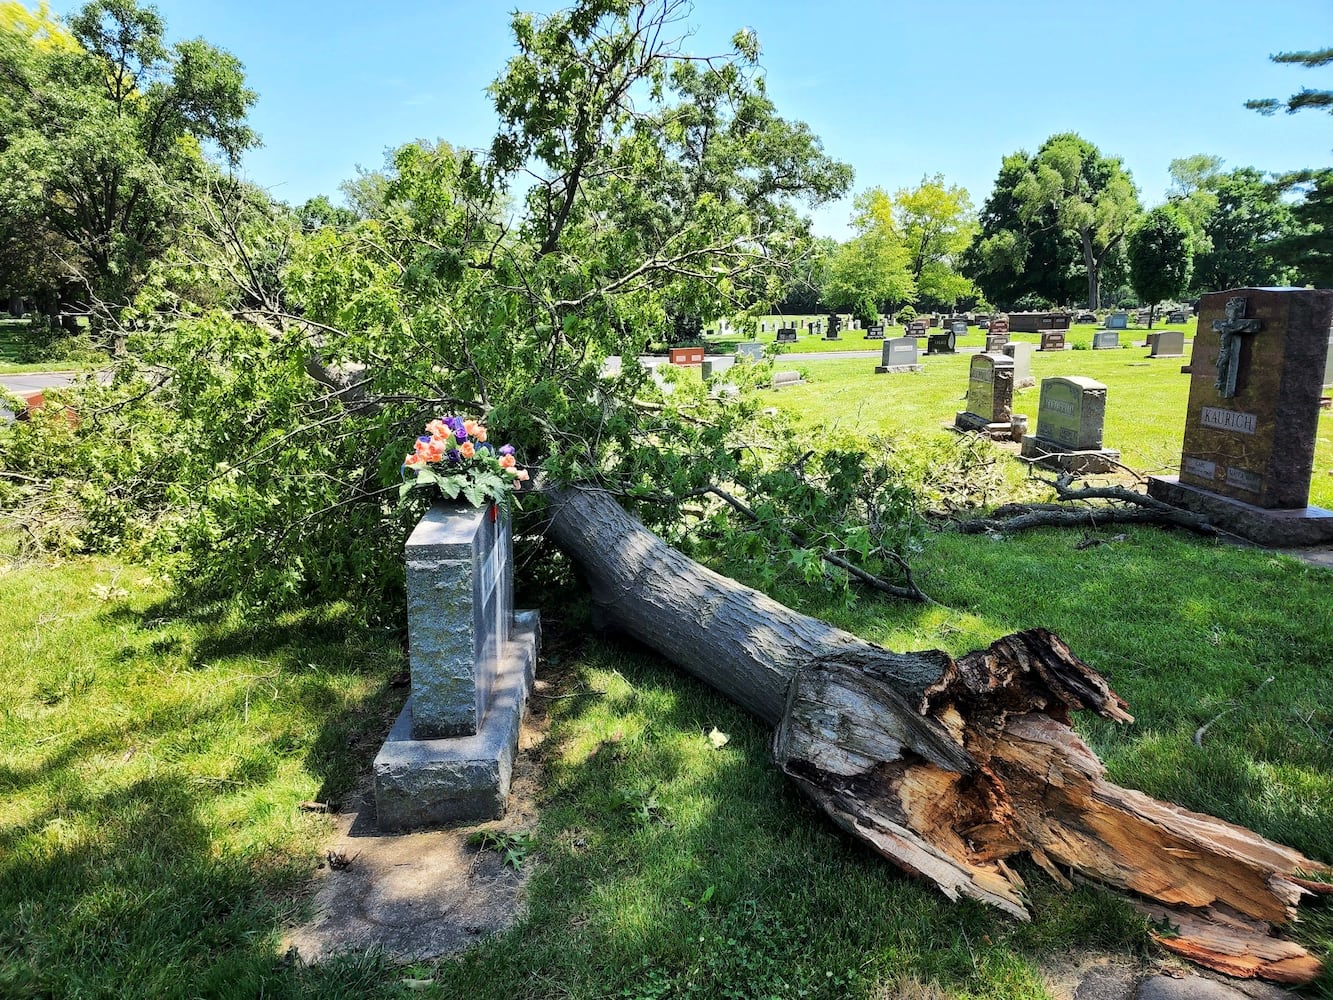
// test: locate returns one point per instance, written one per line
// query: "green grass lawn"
(1145, 410)
(152, 766)
(11, 350)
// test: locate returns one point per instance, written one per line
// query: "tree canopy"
(1090, 194)
(1013, 254)
(102, 125)
(937, 224)
(1160, 257)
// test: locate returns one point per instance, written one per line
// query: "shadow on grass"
(152, 843)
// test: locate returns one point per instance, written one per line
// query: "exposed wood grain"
(950, 769)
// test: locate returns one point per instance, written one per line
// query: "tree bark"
(949, 768)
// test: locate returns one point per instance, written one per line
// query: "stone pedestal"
(449, 755)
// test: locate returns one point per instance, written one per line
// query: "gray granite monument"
(451, 751)
(1106, 340)
(897, 356)
(1167, 344)
(1020, 352)
(1069, 427)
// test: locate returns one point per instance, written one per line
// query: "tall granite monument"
(1255, 380)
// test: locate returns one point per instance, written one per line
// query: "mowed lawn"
(1145, 408)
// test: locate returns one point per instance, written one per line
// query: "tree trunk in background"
(948, 768)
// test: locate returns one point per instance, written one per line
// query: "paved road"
(32, 381)
(28, 382)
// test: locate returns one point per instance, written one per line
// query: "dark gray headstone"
(787, 335)
(941, 343)
(875, 332)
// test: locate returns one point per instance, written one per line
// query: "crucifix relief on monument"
(1253, 412)
(1229, 331)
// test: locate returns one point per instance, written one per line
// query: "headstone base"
(896, 369)
(1052, 456)
(1000, 431)
(466, 778)
(1180, 355)
(1276, 528)
(1052, 350)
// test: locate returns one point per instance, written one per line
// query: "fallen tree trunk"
(949, 768)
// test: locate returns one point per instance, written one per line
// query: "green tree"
(103, 136)
(871, 270)
(937, 223)
(1012, 256)
(1308, 247)
(1092, 195)
(1250, 218)
(664, 185)
(1306, 97)
(1160, 257)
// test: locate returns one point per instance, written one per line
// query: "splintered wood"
(950, 768)
(1034, 787)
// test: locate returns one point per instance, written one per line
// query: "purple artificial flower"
(453, 455)
(424, 440)
(460, 433)
(507, 449)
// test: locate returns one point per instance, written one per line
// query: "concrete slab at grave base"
(434, 781)
(1051, 456)
(896, 369)
(1275, 528)
(999, 431)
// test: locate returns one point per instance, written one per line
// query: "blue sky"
(899, 90)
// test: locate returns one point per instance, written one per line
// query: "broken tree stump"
(949, 768)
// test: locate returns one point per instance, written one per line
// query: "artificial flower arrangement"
(454, 457)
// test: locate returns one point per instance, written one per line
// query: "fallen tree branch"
(949, 768)
(1126, 506)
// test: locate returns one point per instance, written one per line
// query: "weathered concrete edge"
(436, 781)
